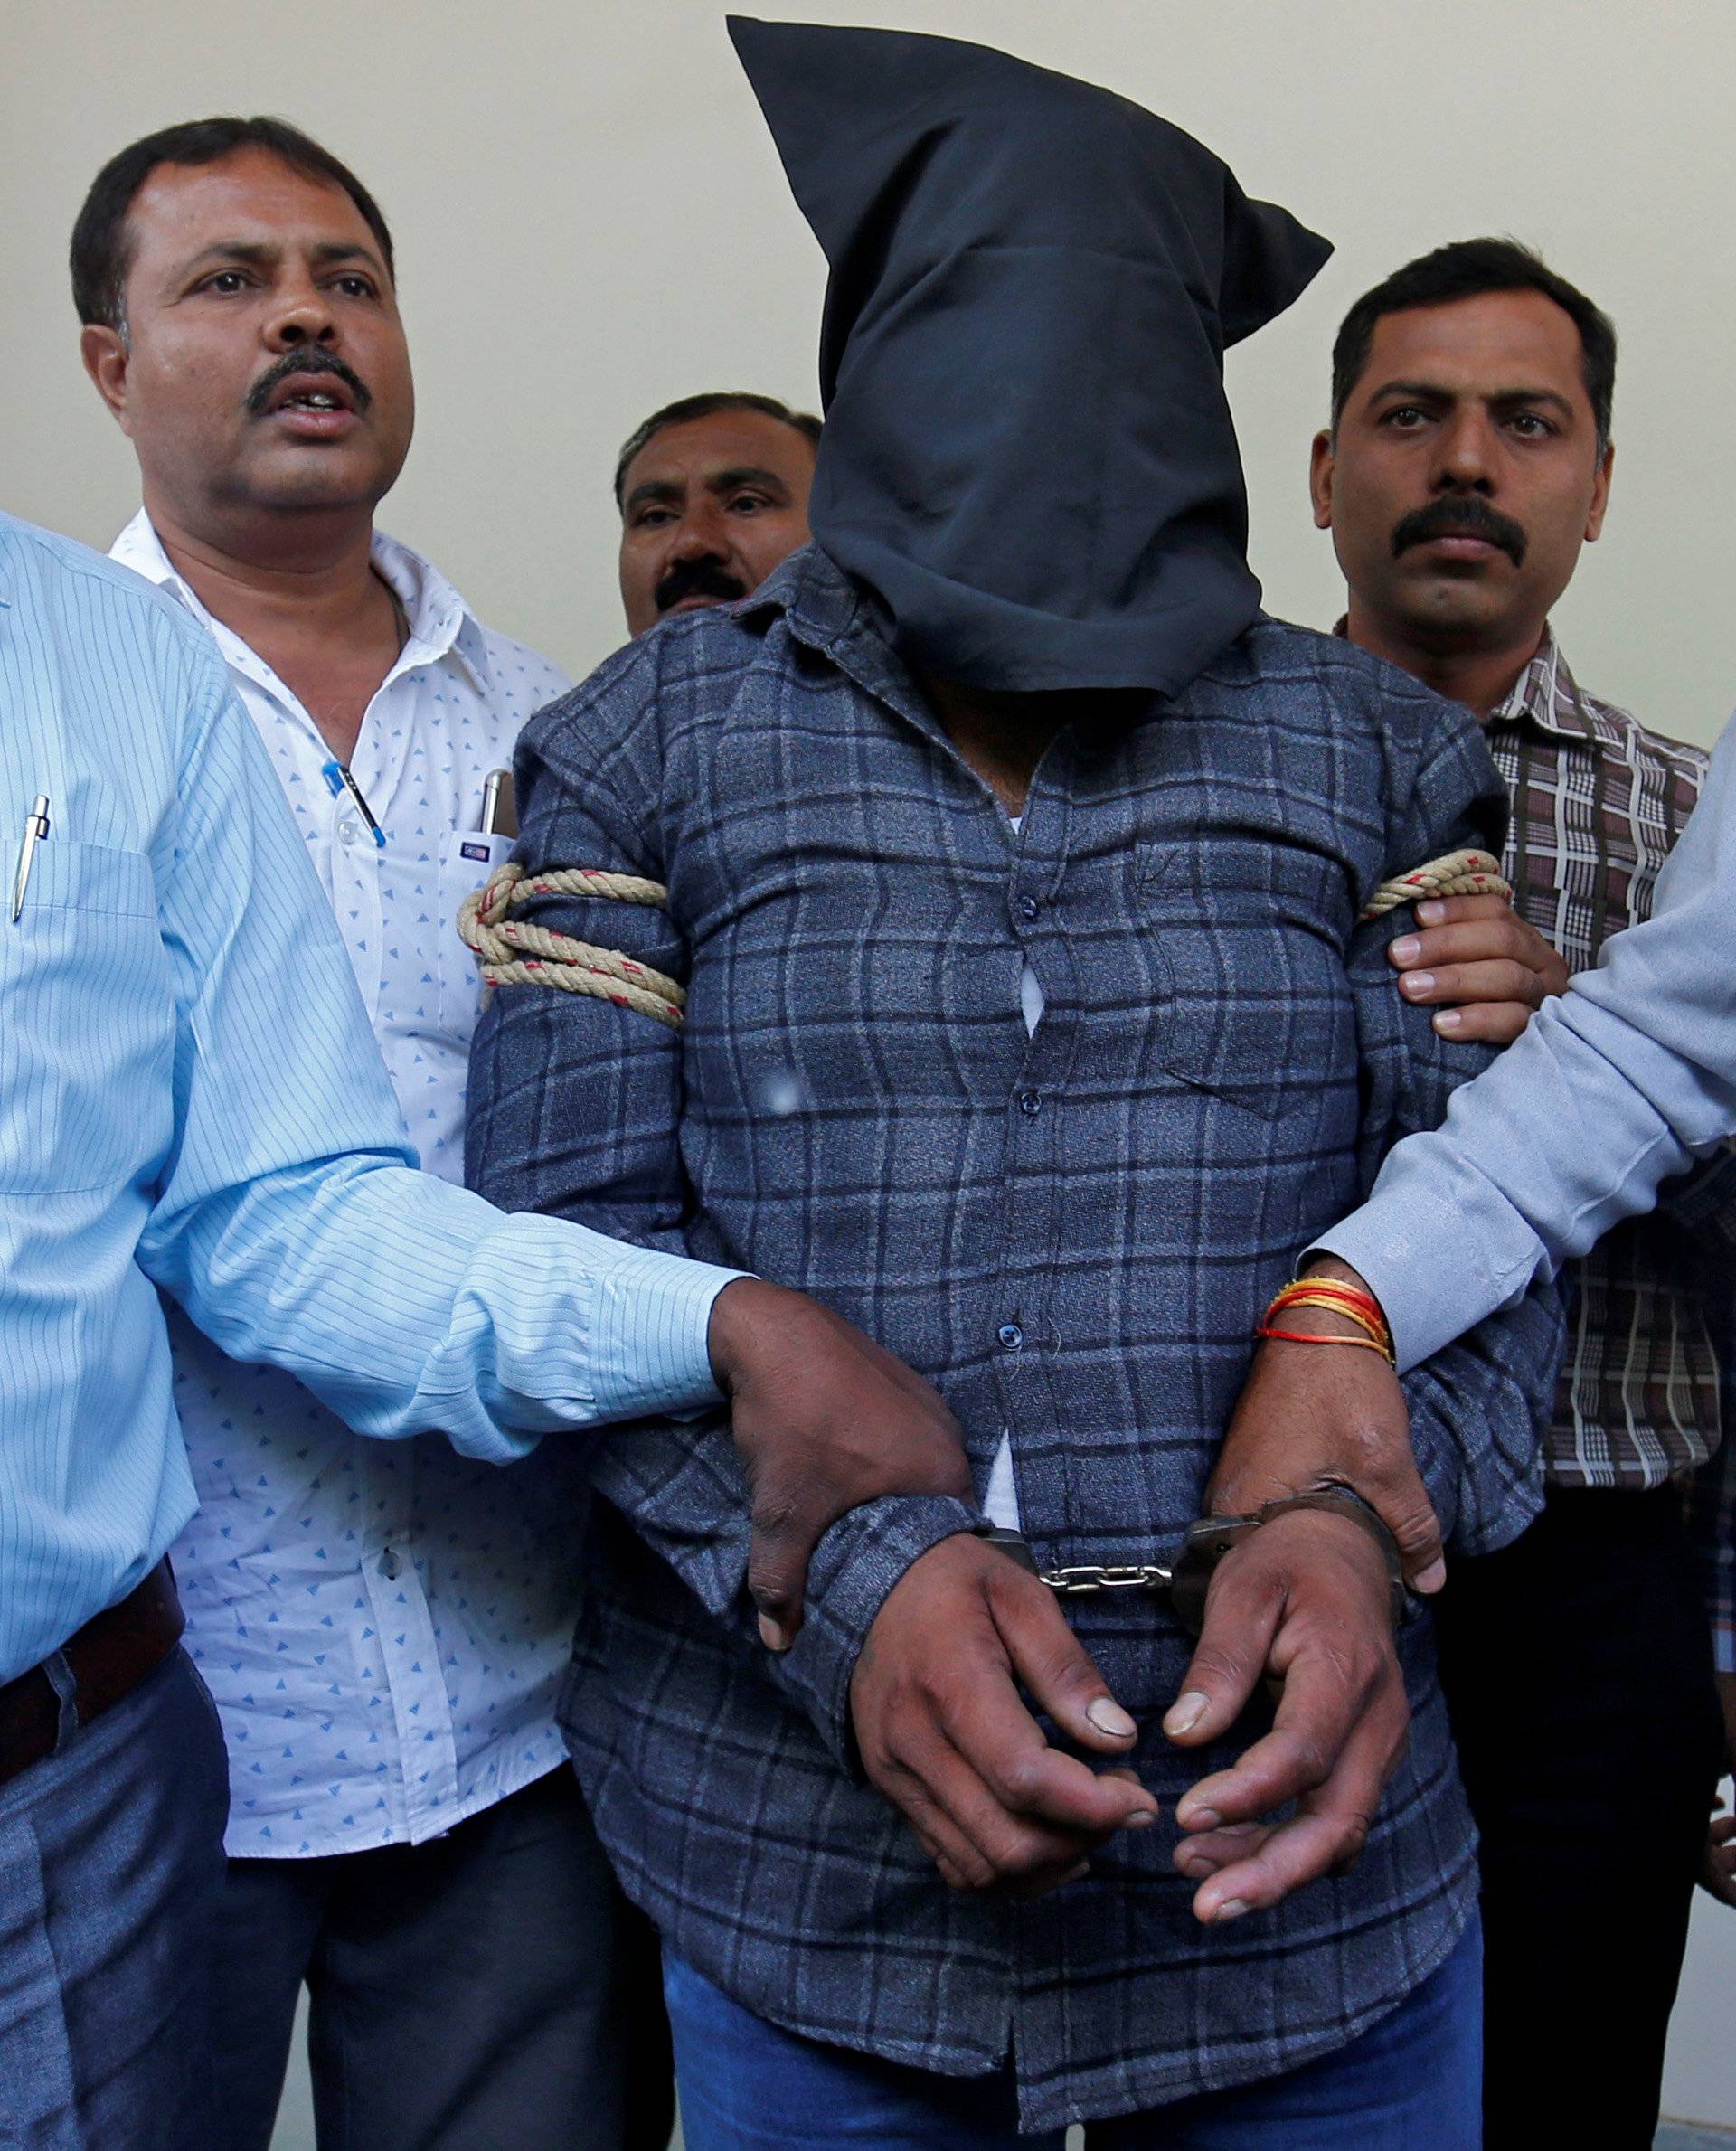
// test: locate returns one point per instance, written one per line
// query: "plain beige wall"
(590, 218)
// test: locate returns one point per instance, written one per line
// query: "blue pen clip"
(338, 777)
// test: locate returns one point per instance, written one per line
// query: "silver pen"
(35, 829)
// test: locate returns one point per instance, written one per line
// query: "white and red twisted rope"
(511, 952)
(1454, 874)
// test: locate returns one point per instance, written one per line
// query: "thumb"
(1403, 1503)
(1052, 1666)
(777, 1557)
(1230, 1656)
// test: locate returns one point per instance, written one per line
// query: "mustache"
(696, 579)
(310, 361)
(1460, 516)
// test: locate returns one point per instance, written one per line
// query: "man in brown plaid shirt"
(1468, 460)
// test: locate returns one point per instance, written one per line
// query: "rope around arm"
(509, 952)
(1454, 873)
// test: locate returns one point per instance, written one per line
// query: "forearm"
(1536, 1161)
(408, 1306)
(838, 1468)
(1614, 1088)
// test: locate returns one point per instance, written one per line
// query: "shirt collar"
(1548, 696)
(438, 618)
(824, 610)
(1545, 694)
(819, 601)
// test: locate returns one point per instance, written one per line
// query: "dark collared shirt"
(1073, 1233)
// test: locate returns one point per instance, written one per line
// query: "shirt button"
(1029, 907)
(389, 1565)
(348, 831)
(1011, 1335)
(1030, 1104)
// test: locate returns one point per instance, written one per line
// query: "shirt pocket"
(1256, 1002)
(467, 860)
(87, 1023)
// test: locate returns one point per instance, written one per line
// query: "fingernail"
(1432, 1577)
(1232, 1908)
(1198, 1818)
(1418, 982)
(1186, 1711)
(1450, 1020)
(1109, 1717)
(1142, 1819)
(773, 1634)
(1431, 911)
(1406, 949)
(1075, 1875)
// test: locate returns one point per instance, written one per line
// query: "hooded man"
(1012, 862)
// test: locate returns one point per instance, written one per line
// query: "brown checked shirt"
(1598, 801)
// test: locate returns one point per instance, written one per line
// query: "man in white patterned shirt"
(384, 1626)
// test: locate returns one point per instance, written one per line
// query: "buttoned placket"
(426, 1784)
(1034, 1128)
(1034, 1120)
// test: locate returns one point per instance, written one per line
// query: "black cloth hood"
(1028, 462)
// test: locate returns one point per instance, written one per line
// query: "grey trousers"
(490, 1990)
(111, 1860)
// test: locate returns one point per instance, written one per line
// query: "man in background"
(384, 1626)
(713, 494)
(1468, 460)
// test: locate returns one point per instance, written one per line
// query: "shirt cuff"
(1723, 1650)
(584, 1329)
(850, 1578)
(651, 1327)
(1433, 1280)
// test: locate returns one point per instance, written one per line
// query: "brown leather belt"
(107, 1660)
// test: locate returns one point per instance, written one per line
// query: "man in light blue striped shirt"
(192, 1103)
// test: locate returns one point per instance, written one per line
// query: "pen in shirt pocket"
(338, 777)
(35, 829)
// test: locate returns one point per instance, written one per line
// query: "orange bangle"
(1360, 1307)
(1323, 1290)
(1303, 1336)
(1372, 1331)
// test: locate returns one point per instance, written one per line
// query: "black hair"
(1465, 269)
(704, 407)
(102, 252)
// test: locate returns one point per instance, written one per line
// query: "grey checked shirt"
(1073, 1233)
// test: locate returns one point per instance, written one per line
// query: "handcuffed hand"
(1303, 1601)
(1485, 970)
(945, 1736)
(1309, 1416)
(824, 1420)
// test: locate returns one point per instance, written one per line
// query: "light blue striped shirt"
(191, 1100)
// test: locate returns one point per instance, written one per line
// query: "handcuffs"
(1208, 1540)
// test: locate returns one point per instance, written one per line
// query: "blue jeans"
(112, 1856)
(1412, 2082)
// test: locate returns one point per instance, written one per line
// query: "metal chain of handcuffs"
(1205, 1545)
(512, 952)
